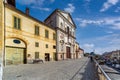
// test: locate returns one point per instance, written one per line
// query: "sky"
(97, 21)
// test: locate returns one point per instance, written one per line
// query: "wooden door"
(68, 55)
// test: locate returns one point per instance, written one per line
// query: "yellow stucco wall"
(76, 49)
(26, 34)
(1, 27)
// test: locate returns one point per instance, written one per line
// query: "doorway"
(15, 55)
(68, 55)
(47, 57)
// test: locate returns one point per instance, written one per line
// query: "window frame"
(37, 30)
(36, 44)
(54, 36)
(46, 33)
(16, 22)
(46, 46)
(37, 56)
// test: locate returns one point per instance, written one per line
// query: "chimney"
(12, 2)
(27, 11)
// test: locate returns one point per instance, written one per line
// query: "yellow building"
(1, 37)
(76, 50)
(27, 37)
(81, 52)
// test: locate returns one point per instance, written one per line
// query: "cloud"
(108, 4)
(117, 10)
(43, 9)
(29, 2)
(86, 5)
(109, 32)
(36, 4)
(85, 22)
(112, 43)
(113, 23)
(102, 44)
(70, 8)
(88, 46)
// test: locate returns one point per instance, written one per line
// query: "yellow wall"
(26, 34)
(1, 30)
(76, 49)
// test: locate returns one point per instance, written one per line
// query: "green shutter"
(19, 23)
(15, 22)
(36, 55)
(36, 30)
(46, 34)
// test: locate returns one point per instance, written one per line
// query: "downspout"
(4, 33)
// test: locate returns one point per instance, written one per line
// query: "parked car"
(108, 62)
(101, 61)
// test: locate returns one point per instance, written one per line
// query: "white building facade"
(65, 30)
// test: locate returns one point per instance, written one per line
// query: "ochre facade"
(20, 44)
(1, 37)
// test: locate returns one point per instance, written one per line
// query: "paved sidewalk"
(87, 72)
(61, 70)
(90, 72)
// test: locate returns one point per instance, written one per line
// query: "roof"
(22, 13)
(58, 10)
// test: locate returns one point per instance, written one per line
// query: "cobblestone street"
(60, 70)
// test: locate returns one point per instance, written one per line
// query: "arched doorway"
(15, 51)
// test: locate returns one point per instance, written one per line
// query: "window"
(54, 36)
(36, 44)
(68, 30)
(17, 23)
(46, 45)
(37, 30)
(54, 47)
(46, 34)
(16, 41)
(36, 55)
(61, 25)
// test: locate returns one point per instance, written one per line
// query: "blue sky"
(97, 21)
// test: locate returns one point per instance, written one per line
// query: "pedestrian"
(91, 58)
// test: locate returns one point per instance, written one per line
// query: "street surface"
(79, 69)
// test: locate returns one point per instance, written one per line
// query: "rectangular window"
(36, 55)
(46, 34)
(54, 47)
(17, 23)
(36, 44)
(37, 30)
(54, 36)
(68, 30)
(46, 45)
